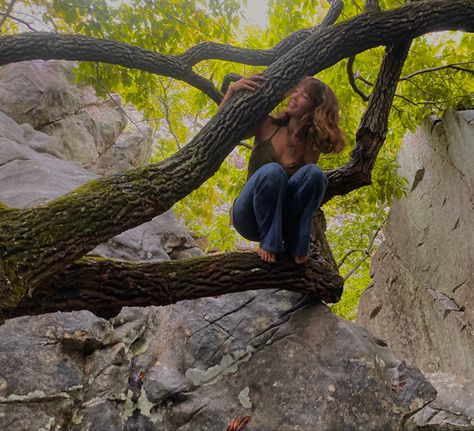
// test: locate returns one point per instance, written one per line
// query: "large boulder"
(29, 178)
(282, 359)
(421, 299)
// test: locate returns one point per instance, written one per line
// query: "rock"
(97, 127)
(421, 301)
(130, 150)
(453, 408)
(276, 356)
(27, 177)
(163, 238)
(88, 130)
(39, 92)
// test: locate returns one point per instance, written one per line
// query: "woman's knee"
(315, 174)
(272, 173)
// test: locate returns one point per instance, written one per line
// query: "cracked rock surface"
(88, 130)
(421, 300)
(287, 362)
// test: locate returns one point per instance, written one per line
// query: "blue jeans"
(277, 211)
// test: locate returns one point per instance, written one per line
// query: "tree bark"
(103, 286)
(39, 242)
(373, 126)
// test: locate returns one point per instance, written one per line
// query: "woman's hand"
(247, 83)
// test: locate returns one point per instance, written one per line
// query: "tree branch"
(37, 243)
(104, 286)
(366, 252)
(48, 46)
(372, 6)
(373, 126)
(352, 81)
(7, 12)
(257, 57)
(456, 66)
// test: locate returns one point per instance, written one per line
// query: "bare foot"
(300, 259)
(266, 256)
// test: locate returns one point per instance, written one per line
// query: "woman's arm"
(248, 83)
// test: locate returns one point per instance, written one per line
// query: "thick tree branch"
(48, 46)
(257, 57)
(104, 286)
(37, 243)
(373, 126)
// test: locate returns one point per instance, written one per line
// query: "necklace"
(292, 142)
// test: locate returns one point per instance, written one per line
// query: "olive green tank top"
(263, 153)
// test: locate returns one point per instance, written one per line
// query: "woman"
(284, 186)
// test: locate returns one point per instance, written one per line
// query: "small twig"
(243, 144)
(366, 252)
(22, 22)
(118, 104)
(352, 79)
(356, 250)
(167, 114)
(372, 6)
(434, 69)
(6, 14)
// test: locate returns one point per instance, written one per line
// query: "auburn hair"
(320, 128)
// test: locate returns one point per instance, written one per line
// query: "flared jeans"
(277, 210)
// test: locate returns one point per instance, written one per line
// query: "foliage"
(175, 112)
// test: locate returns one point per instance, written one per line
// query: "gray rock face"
(453, 408)
(288, 363)
(29, 178)
(421, 300)
(422, 292)
(88, 130)
(41, 368)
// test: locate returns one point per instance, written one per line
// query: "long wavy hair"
(320, 128)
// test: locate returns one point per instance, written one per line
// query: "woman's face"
(300, 102)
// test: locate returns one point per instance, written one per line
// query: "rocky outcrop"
(278, 357)
(453, 408)
(421, 300)
(89, 130)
